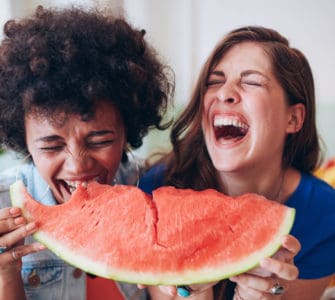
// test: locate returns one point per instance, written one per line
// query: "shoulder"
(313, 190)
(129, 172)
(153, 178)
(313, 199)
(314, 226)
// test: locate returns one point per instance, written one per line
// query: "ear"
(296, 119)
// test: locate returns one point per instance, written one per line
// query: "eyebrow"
(217, 73)
(244, 73)
(101, 132)
(52, 138)
(250, 72)
(48, 138)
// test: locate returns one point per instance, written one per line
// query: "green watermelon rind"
(209, 274)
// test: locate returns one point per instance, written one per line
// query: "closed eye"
(52, 148)
(100, 143)
(101, 138)
(216, 77)
(52, 143)
(253, 83)
(253, 78)
(214, 82)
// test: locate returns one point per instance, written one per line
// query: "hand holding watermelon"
(13, 230)
(158, 292)
(258, 282)
(255, 283)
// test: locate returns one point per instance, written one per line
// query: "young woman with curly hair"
(78, 89)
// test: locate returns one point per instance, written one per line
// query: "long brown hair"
(189, 163)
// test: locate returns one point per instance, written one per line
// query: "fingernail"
(168, 290)
(42, 247)
(233, 278)
(14, 210)
(265, 262)
(171, 291)
(19, 220)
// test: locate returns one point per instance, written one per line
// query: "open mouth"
(229, 128)
(72, 185)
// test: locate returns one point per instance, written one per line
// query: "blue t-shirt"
(314, 226)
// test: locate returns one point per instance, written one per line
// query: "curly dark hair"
(66, 60)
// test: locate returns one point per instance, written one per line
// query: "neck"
(270, 184)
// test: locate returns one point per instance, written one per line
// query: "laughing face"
(246, 116)
(72, 151)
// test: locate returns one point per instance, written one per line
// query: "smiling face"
(72, 151)
(246, 116)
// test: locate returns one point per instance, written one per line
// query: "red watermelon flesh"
(175, 237)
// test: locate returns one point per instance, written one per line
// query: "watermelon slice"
(175, 237)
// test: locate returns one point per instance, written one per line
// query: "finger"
(16, 253)
(260, 271)
(9, 212)
(168, 290)
(292, 244)
(23, 250)
(10, 224)
(17, 235)
(10, 217)
(261, 284)
(287, 271)
(198, 288)
(141, 286)
(290, 248)
(244, 293)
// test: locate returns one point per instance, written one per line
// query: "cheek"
(206, 102)
(261, 113)
(111, 159)
(205, 111)
(46, 166)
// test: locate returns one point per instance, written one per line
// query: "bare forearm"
(306, 289)
(11, 288)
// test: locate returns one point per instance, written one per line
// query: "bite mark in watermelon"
(175, 237)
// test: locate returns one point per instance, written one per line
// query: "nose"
(78, 162)
(228, 93)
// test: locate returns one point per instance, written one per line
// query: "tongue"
(228, 132)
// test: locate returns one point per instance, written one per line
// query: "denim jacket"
(46, 276)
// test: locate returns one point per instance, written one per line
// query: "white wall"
(185, 31)
(18, 8)
(5, 14)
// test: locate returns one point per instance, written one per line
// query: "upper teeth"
(74, 184)
(229, 121)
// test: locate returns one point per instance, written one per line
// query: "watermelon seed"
(83, 205)
(97, 223)
(230, 228)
